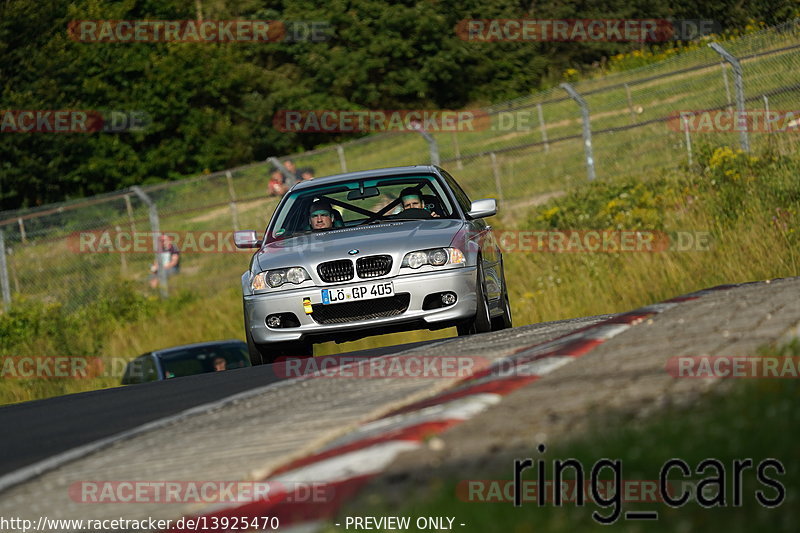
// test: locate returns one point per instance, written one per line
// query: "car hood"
(389, 237)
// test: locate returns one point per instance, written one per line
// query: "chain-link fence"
(631, 124)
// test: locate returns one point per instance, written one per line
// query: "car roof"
(376, 173)
(197, 345)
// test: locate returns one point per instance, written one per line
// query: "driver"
(412, 199)
(320, 215)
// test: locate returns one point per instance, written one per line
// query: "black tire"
(293, 349)
(503, 321)
(253, 349)
(481, 322)
(266, 354)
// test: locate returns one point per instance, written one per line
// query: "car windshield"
(363, 201)
(201, 359)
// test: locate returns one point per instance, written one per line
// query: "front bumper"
(460, 281)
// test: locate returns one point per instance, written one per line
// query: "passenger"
(220, 364)
(320, 215)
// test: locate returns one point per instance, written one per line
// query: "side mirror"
(246, 239)
(483, 208)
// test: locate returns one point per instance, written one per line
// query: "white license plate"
(365, 291)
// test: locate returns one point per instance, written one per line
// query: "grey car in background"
(186, 360)
(380, 268)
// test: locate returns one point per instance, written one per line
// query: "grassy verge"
(748, 206)
(756, 420)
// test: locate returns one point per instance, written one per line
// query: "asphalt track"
(37, 430)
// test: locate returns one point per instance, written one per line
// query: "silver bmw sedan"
(371, 252)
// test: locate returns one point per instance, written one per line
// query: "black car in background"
(186, 360)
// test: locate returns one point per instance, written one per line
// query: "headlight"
(276, 278)
(296, 275)
(416, 259)
(435, 257)
(259, 282)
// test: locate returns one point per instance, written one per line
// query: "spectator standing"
(169, 259)
(277, 183)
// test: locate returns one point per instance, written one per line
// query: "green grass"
(757, 419)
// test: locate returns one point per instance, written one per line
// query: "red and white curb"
(346, 464)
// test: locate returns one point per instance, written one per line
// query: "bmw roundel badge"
(353, 252)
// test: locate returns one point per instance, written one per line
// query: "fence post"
(155, 227)
(459, 164)
(433, 146)
(587, 128)
(688, 137)
(543, 127)
(4, 274)
(496, 172)
(22, 235)
(123, 262)
(342, 160)
(129, 208)
(724, 68)
(232, 193)
(738, 83)
(766, 114)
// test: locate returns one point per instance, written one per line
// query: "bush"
(629, 205)
(32, 327)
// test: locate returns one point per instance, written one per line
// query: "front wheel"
(482, 322)
(503, 321)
